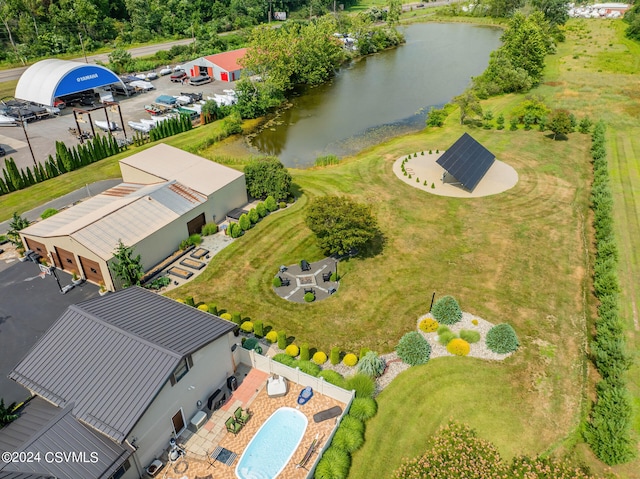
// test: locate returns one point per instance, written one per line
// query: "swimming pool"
(273, 445)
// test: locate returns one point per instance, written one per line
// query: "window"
(120, 472)
(182, 369)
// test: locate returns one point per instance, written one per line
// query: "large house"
(114, 380)
(167, 195)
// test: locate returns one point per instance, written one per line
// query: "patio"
(251, 394)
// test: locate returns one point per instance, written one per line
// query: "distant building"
(167, 195)
(221, 66)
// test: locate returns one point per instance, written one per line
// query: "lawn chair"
(241, 416)
(309, 453)
(233, 426)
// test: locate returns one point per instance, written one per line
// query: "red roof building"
(221, 66)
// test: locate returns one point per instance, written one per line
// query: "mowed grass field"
(517, 257)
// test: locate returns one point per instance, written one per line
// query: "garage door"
(36, 246)
(67, 260)
(195, 225)
(91, 270)
(224, 76)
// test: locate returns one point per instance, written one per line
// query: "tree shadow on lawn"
(558, 137)
(374, 247)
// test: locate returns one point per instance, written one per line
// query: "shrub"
(271, 336)
(363, 352)
(362, 384)
(474, 322)
(446, 337)
(413, 349)
(247, 326)
(209, 229)
(285, 359)
(309, 297)
(372, 365)
(334, 356)
(258, 328)
(363, 408)
(309, 368)
(276, 282)
(244, 222)
(319, 357)
(204, 307)
(237, 318)
(429, 325)
(292, 350)
(334, 277)
(195, 239)
(226, 316)
(446, 310)
(213, 308)
(334, 464)
(250, 343)
(270, 203)
(304, 352)
(261, 209)
(502, 339)
(282, 339)
(333, 377)
(347, 439)
(459, 347)
(442, 329)
(254, 217)
(350, 360)
(49, 212)
(189, 301)
(351, 422)
(282, 205)
(470, 336)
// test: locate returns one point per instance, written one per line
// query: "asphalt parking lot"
(43, 134)
(29, 305)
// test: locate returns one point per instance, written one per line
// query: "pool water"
(271, 448)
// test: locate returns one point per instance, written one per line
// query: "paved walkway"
(310, 280)
(67, 200)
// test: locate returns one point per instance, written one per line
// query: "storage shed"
(221, 66)
(167, 194)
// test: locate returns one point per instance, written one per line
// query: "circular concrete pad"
(311, 280)
(500, 177)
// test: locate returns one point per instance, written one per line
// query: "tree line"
(40, 28)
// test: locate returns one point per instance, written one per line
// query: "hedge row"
(609, 430)
(67, 159)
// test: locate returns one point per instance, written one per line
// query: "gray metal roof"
(111, 355)
(96, 455)
(23, 475)
(34, 415)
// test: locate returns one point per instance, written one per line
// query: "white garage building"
(166, 195)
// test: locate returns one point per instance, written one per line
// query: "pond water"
(381, 95)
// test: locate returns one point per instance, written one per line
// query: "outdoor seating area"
(299, 279)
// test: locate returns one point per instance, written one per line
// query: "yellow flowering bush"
(204, 307)
(429, 325)
(319, 357)
(459, 347)
(350, 360)
(226, 316)
(272, 337)
(247, 326)
(292, 350)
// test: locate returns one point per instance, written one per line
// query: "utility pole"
(82, 45)
(24, 129)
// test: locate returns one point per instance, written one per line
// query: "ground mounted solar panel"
(467, 161)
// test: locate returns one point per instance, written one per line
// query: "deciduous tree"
(340, 224)
(469, 105)
(267, 176)
(560, 123)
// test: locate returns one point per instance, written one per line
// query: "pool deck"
(251, 394)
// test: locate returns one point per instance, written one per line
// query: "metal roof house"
(223, 66)
(167, 194)
(117, 376)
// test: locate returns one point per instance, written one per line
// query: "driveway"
(28, 307)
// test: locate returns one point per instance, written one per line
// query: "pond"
(381, 95)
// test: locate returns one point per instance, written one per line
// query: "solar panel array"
(467, 161)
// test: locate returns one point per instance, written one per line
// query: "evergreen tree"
(32, 180)
(14, 175)
(127, 267)
(7, 179)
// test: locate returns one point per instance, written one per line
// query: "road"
(14, 73)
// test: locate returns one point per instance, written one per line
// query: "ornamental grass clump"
(459, 347)
(413, 349)
(362, 384)
(335, 464)
(446, 337)
(502, 339)
(333, 377)
(372, 365)
(428, 325)
(312, 369)
(347, 439)
(285, 359)
(363, 408)
(470, 336)
(447, 310)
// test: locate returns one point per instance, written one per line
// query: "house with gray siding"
(120, 375)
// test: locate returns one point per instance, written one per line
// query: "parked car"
(2, 151)
(178, 76)
(199, 80)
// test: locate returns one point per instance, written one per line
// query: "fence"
(263, 363)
